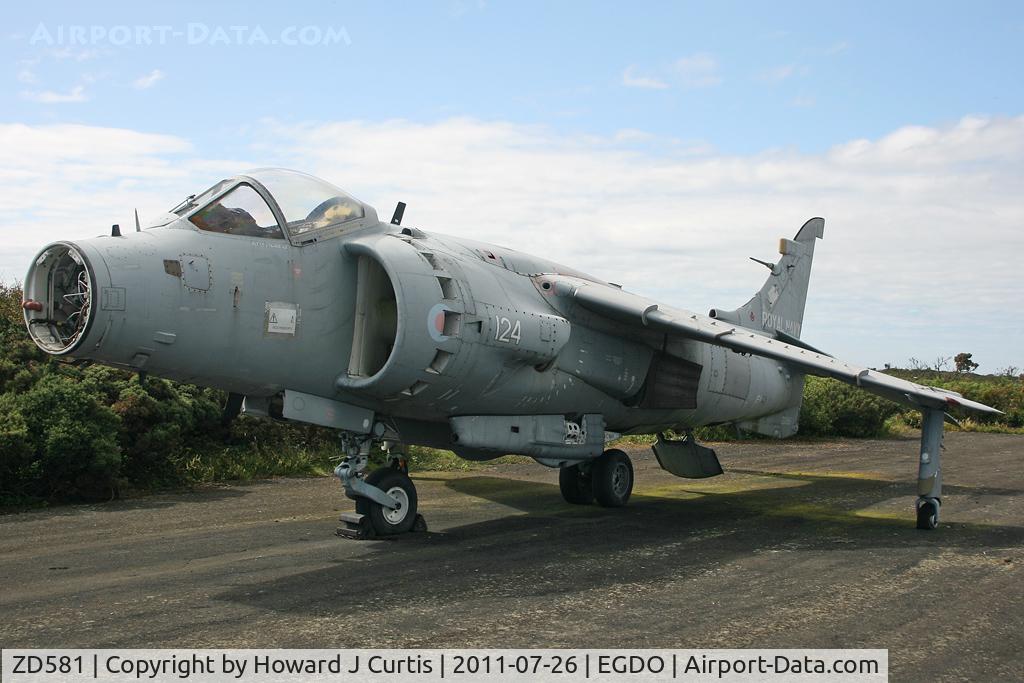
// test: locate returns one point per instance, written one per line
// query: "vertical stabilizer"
(779, 305)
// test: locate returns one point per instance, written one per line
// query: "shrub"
(832, 408)
(17, 462)
(1004, 393)
(60, 442)
(158, 420)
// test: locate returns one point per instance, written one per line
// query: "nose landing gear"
(386, 501)
(397, 485)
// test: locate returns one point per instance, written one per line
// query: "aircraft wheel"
(399, 486)
(612, 479)
(927, 514)
(575, 485)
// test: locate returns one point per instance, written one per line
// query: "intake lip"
(62, 280)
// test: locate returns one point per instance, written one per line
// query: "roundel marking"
(435, 322)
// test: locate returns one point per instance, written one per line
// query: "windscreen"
(306, 202)
(241, 211)
(191, 202)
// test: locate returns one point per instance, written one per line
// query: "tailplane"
(778, 309)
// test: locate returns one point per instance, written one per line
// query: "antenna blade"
(138, 228)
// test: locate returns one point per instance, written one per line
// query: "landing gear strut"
(386, 502)
(929, 469)
(608, 479)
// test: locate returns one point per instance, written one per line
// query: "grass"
(423, 459)
(242, 463)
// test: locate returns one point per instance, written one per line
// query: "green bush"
(158, 420)
(63, 442)
(17, 454)
(1004, 393)
(831, 408)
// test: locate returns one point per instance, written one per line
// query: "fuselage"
(292, 296)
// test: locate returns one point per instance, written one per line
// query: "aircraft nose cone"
(60, 298)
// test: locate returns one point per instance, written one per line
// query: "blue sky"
(699, 130)
(807, 75)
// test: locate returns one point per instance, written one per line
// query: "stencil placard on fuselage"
(282, 318)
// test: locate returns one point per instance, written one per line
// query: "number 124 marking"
(507, 331)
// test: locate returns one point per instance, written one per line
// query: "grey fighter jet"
(293, 297)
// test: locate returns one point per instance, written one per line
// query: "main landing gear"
(386, 502)
(607, 479)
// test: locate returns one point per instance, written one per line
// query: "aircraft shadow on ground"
(559, 548)
(154, 501)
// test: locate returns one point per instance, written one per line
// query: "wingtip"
(967, 404)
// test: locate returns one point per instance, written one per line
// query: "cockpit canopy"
(276, 203)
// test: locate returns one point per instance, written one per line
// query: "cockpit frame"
(368, 219)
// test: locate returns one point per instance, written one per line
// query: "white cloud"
(149, 80)
(631, 79)
(838, 47)
(460, 8)
(26, 75)
(74, 181)
(922, 241)
(631, 135)
(73, 54)
(76, 94)
(699, 70)
(803, 101)
(778, 74)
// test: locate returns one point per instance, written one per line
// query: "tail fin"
(778, 309)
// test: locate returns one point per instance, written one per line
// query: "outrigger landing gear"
(386, 502)
(929, 469)
(608, 479)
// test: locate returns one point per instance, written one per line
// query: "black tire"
(399, 486)
(928, 515)
(612, 479)
(575, 485)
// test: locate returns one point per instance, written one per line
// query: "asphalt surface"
(797, 545)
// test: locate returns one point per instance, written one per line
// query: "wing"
(616, 304)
